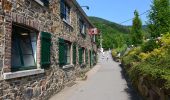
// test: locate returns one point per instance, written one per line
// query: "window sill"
(68, 23)
(83, 35)
(40, 2)
(12, 75)
(83, 65)
(94, 42)
(68, 66)
(19, 68)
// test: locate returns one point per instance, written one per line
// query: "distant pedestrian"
(107, 57)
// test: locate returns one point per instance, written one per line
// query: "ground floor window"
(68, 52)
(91, 58)
(23, 51)
(81, 55)
(64, 52)
(94, 58)
(74, 53)
(86, 55)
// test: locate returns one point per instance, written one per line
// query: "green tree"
(136, 31)
(159, 18)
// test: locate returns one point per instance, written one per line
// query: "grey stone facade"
(151, 91)
(40, 84)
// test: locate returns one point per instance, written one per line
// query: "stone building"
(44, 45)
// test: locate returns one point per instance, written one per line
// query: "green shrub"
(149, 46)
(151, 61)
(114, 53)
(121, 50)
(143, 56)
(157, 76)
(131, 57)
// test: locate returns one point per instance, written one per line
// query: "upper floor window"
(82, 27)
(65, 11)
(46, 2)
(43, 2)
(94, 38)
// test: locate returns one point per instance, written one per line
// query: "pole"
(101, 41)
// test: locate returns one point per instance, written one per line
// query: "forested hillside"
(114, 35)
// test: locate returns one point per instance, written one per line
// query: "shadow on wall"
(133, 94)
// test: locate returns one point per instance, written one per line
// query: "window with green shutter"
(90, 56)
(64, 52)
(45, 48)
(80, 55)
(83, 55)
(86, 56)
(93, 53)
(93, 57)
(62, 60)
(74, 53)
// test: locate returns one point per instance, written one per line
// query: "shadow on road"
(131, 91)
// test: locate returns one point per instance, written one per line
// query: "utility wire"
(132, 18)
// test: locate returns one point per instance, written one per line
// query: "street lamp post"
(101, 47)
(87, 7)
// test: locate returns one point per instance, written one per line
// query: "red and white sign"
(93, 31)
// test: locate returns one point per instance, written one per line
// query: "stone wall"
(31, 14)
(37, 87)
(151, 91)
(2, 38)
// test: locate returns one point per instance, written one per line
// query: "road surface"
(105, 82)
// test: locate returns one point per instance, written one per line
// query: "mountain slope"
(109, 24)
(114, 35)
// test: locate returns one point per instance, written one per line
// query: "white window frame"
(83, 25)
(84, 55)
(67, 13)
(68, 53)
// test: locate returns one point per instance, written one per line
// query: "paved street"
(105, 82)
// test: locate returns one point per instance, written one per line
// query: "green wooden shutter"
(90, 57)
(65, 53)
(62, 51)
(80, 55)
(74, 53)
(94, 58)
(45, 49)
(86, 56)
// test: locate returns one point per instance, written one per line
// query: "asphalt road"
(105, 82)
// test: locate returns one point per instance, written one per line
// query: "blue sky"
(116, 10)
